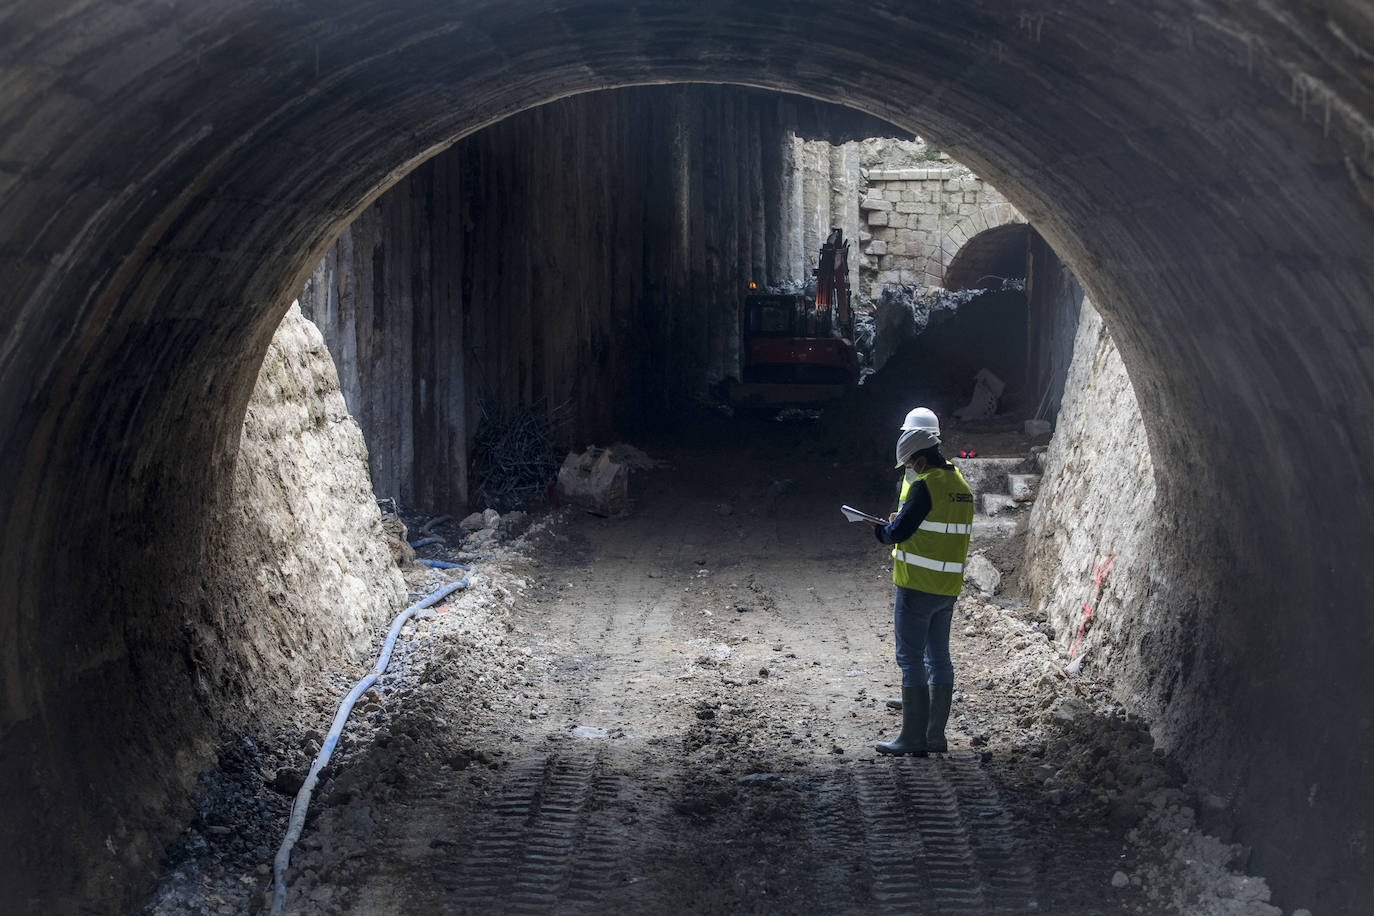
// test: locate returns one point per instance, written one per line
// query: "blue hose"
(298, 808)
(442, 564)
(423, 542)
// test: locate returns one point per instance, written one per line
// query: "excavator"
(799, 352)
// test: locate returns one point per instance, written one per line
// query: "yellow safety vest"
(932, 559)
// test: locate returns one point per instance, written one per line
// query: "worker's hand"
(892, 517)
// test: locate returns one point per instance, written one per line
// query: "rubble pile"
(1061, 740)
(903, 313)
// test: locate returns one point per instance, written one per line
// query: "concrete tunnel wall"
(169, 174)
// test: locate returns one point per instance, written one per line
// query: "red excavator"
(798, 352)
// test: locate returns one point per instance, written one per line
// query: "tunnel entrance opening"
(158, 203)
(624, 307)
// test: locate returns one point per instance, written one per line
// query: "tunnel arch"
(979, 238)
(170, 174)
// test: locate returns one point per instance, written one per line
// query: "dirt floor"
(674, 711)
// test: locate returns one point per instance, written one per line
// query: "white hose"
(302, 802)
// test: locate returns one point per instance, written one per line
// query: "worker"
(930, 533)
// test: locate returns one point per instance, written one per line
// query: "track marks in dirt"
(538, 848)
(928, 836)
(993, 834)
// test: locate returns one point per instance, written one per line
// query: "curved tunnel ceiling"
(168, 173)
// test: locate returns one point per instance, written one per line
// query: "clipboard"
(854, 515)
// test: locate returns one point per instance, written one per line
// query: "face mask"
(911, 475)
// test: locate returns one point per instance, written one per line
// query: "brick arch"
(961, 233)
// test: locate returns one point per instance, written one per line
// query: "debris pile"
(513, 457)
(903, 313)
(1074, 748)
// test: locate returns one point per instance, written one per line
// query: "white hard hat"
(913, 441)
(922, 418)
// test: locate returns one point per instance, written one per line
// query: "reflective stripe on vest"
(946, 527)
(928, 563)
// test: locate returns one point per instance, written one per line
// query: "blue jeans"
(921, 621)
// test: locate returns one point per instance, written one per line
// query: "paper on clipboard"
(854, 515)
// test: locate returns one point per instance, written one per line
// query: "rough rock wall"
(1153, 563)
(293, 571)
(1095, 509)
(301, 568)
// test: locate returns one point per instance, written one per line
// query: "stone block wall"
(915, 220)
(907, 211)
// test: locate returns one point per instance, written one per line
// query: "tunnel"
(171, 175)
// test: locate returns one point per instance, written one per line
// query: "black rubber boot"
(915, 713)
(941, 695)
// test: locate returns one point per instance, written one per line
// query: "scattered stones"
(1022, 487)
(402, 554)
(996, 503)
(1120, 879)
